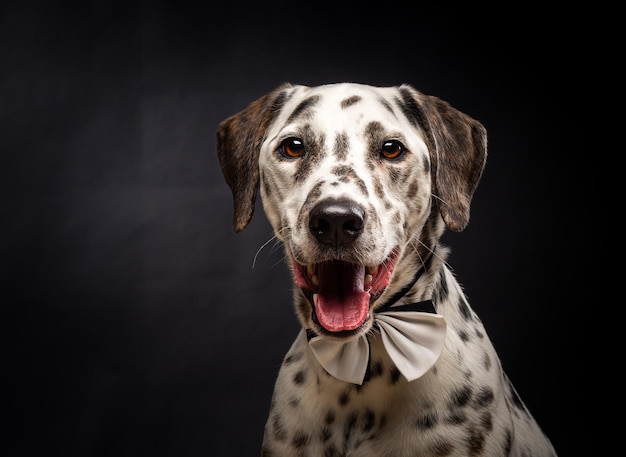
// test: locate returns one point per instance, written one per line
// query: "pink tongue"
(342, 304)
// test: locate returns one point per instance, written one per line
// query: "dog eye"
(292, 147)
(392, 149)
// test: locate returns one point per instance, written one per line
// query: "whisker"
(282, 260)
(277, 245)
(432, 251)
(439, 198)
(260, 249)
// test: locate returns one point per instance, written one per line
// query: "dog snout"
(336, 222)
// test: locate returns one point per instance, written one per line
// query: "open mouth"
(342, 292)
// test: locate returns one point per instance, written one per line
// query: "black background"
(136, 321)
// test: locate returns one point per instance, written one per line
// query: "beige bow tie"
(413, 335)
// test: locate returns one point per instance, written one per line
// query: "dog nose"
(336, 222)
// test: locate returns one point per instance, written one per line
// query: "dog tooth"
(314, 299)
(372, 270)
(310, 269)
(368, 279)
(315, 280)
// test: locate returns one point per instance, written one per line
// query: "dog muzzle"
(413, 335)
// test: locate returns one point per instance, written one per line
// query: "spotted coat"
(399, 167)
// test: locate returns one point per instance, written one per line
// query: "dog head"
(353, 179)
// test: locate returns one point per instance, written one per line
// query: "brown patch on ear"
(458, 152)
(239, 140)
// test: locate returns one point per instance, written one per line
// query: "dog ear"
(458, 153)
(239, 140)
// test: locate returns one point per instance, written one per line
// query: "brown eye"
(392, 149)
(292, 147)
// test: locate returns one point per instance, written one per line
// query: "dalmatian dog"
(359, 183)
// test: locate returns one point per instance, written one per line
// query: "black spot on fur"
(292, 358)
(475, 442)
(464, 308)
(487, 361)
(374, 135)
(299, 377)
(346, 102)
(397, 175)
(311, 198)
(394, 375)
(343, 172)
(426, 421)
(314, 194)
(344, 397)
(486, 421)
(386, 105)
(304, 107)
(340, 148)
(329, 418)
(278, 429)
(412, 192)
(294, 402)
(409, 107)
(444, 291)
(362, 187)
(484, 397)
(376, 369)
(314, 153)
(463, 335)
(462, 396)
(379, 189)
(300, 440)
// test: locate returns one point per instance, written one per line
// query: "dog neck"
(406, 289)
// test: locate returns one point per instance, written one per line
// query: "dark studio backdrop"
(136, 321)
